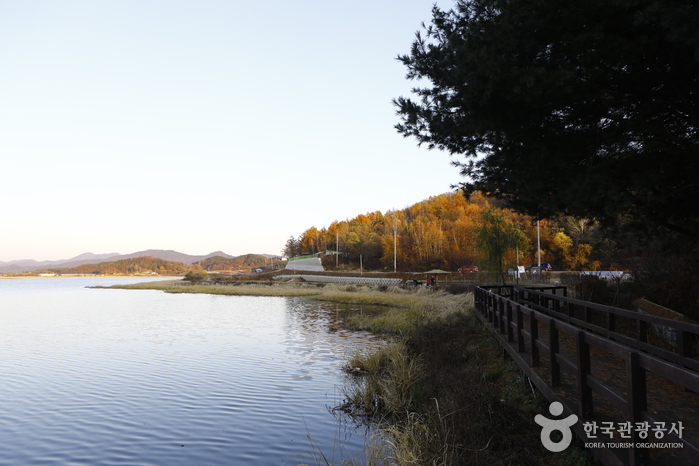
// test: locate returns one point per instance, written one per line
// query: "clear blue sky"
(202, 125)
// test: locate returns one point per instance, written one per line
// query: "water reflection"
(144, 377)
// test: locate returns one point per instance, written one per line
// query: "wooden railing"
(552, 337)
(679, 347)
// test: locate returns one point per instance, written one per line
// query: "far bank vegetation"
(447, 232)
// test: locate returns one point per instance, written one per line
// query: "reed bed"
(424, 302)
(443, 395)
(235, 289)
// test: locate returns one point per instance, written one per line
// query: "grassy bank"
(444, 395)
(233, 289)
(414, 307)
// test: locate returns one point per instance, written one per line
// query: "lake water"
(95, 376)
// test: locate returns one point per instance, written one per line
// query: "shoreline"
(21, 276)
(425, 300)
(445, 392)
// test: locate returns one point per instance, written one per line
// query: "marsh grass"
(453, 398)
(384, 381)
(419, 303)
(234, 289)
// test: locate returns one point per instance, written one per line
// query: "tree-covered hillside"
(244, 262)
(145, 264)
(448, 231)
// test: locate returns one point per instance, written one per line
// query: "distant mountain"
(174, 256)
(142, 264)
(29, 265)
(88, 256)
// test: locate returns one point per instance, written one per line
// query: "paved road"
(306, 265)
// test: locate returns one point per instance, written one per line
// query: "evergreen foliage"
(587, 108)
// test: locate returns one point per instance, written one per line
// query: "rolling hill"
(28, 265)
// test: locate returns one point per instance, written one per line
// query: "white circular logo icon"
(550, 425)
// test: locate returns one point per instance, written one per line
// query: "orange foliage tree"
(441, 232)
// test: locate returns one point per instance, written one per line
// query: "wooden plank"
(679, 375)
(637, 404)
(642, 331)
(584, 391)
(566, 364)
(606, 392)
(607, 456)
(676, 324)
(510, 331)
(534, 334)
(553, 352)
(520, 325)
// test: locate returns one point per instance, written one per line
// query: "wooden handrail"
(687, 333)
(506, 317)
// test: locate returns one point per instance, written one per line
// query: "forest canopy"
(587, 108)
(443, 232)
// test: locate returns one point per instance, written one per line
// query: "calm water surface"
(92, 376)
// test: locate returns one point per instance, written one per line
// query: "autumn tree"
(497, 237)
(312, 241)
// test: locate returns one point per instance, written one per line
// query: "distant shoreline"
(18, 276)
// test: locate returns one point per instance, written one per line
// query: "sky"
(202, 126)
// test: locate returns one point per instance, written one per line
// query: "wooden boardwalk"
(632, 379)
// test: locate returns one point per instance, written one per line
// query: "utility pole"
(538, 246)
(395, 242)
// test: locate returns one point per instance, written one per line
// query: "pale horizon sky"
(202, 126)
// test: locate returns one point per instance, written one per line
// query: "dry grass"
(237, 289)
(387, 378)
(422, 303)
(443, 395)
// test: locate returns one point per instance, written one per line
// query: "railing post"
(496, 303)
(520, 324)
(642, 331)
(684, 344)
(534, 336)
(584, 391)
(684, 341)
(510, 334)
(636, 403)
(611, 321)
(553, 352)
(501, 315)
